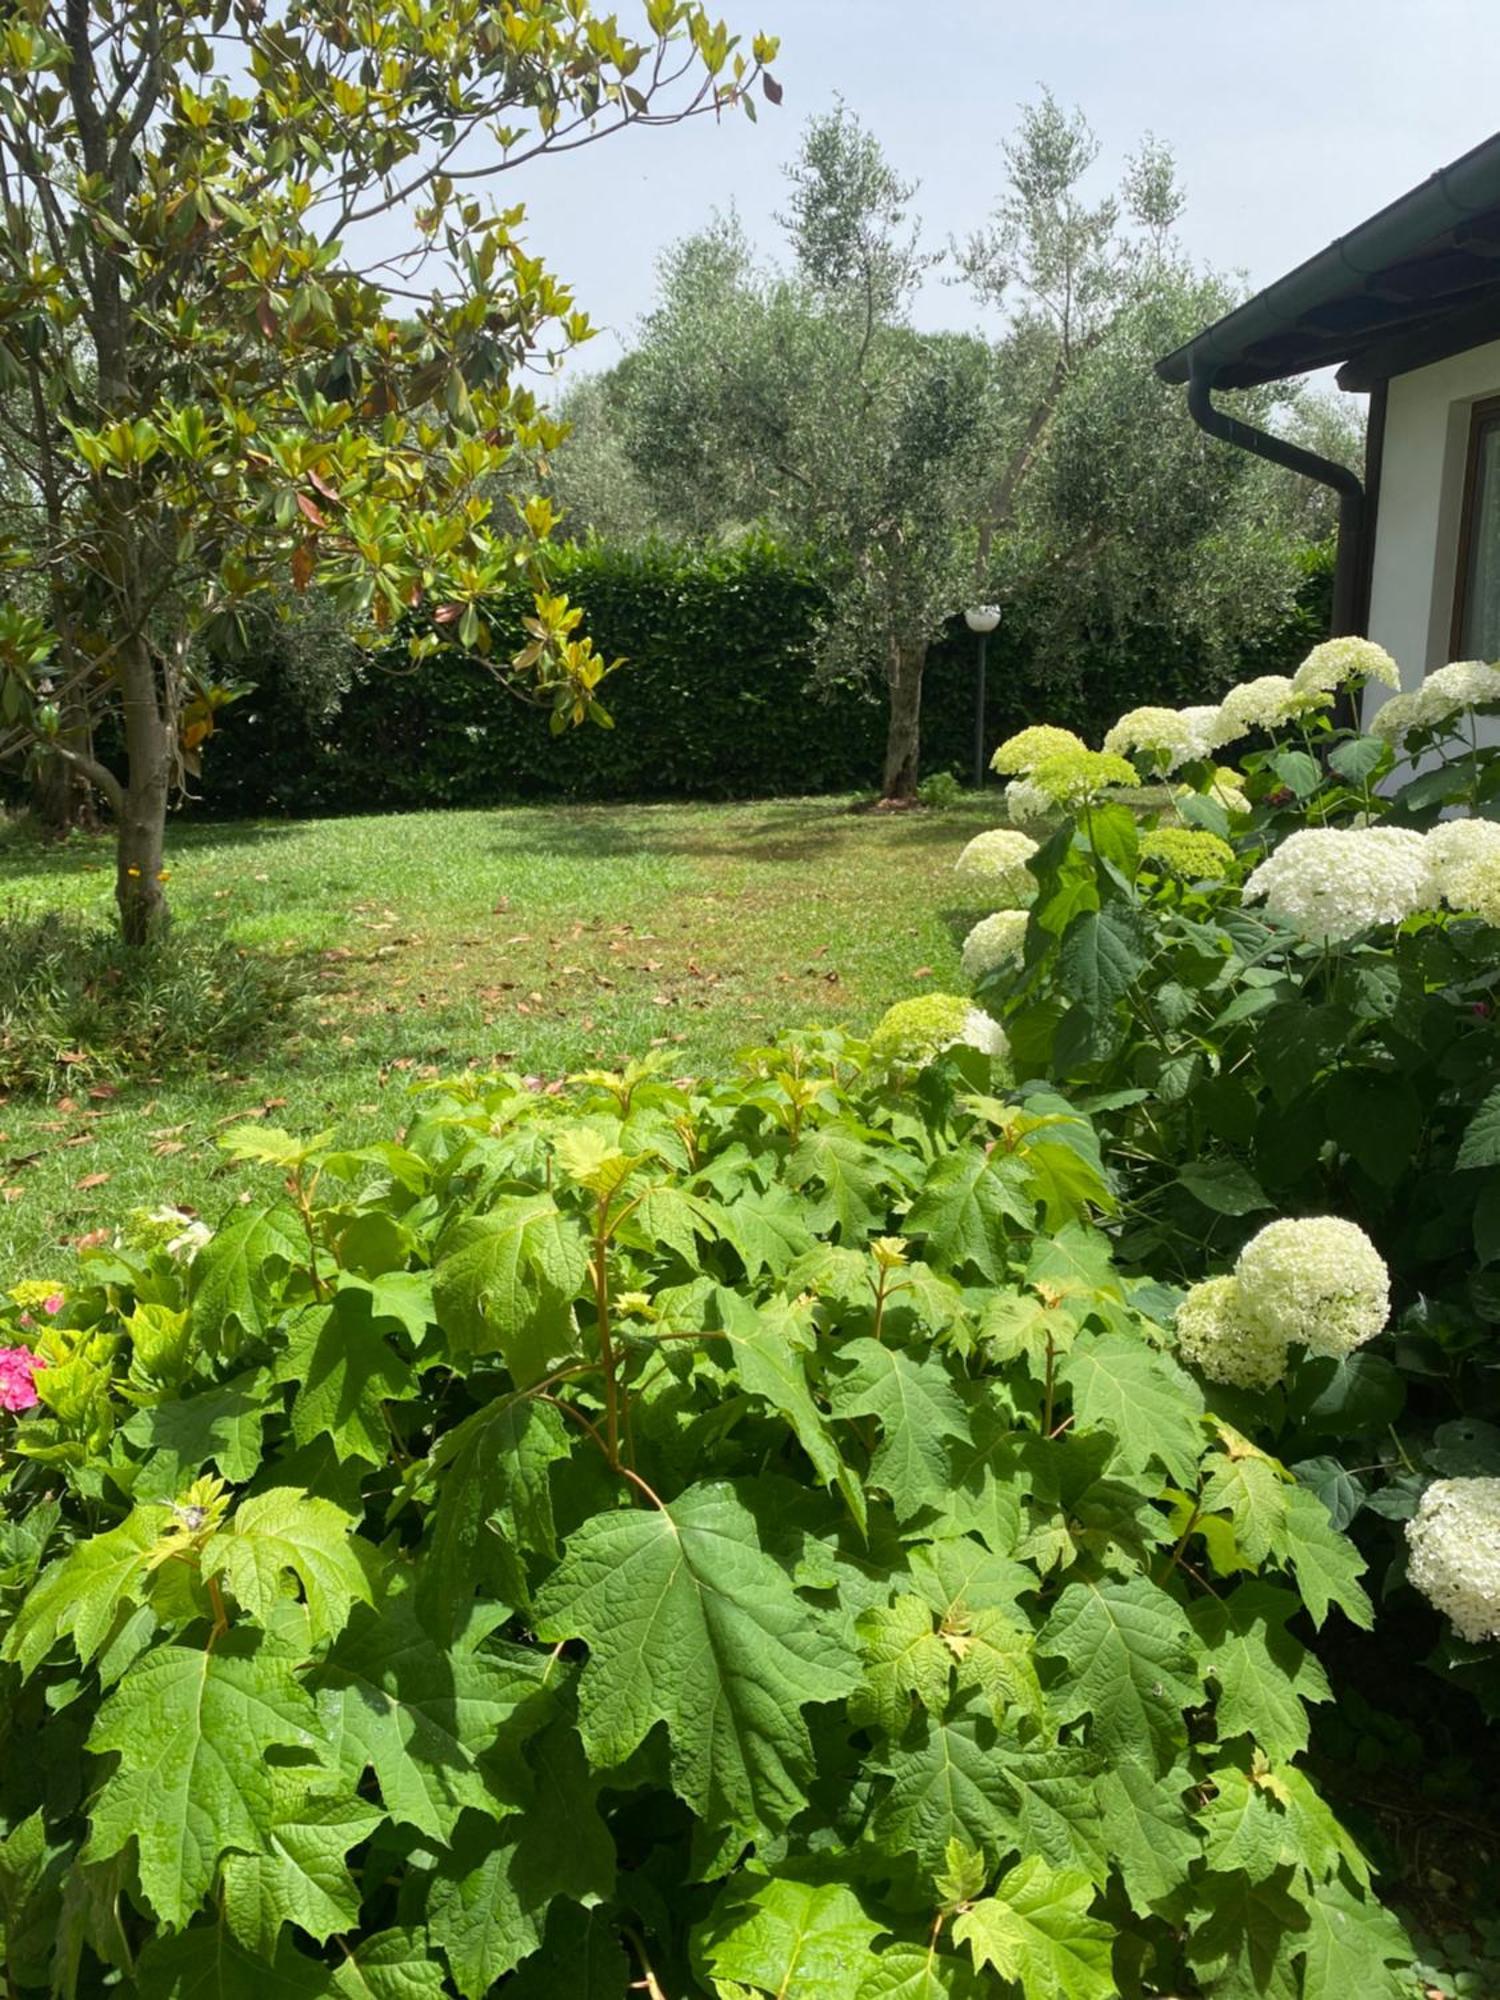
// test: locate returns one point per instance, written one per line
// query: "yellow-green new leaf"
(1036, 1930)
(282, 1536)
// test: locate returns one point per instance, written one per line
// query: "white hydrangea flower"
(1316, 1280)
(914, 1032)
(1267, 702)
(1168, 736)
(1453, 1544)
(1028, 805)
(1331, 883)
(996, 861)
(1395, 717)
(1216, 1338)
(994, 941)
(1020, 754)
(1341, 663)
(1451, 689)
(1465, 858)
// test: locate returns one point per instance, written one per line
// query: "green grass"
(543, 939)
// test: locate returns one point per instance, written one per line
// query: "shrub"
(76, 1004)
(1274, 989)
(748, 1537)
(714, 702)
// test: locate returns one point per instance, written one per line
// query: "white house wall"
(1421, 499)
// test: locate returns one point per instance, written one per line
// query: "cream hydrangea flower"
(1076, 776)
(1331, 883)
(914, 1032)
(1215, 1337)
(1228, 788)
(1465, 858)
(1187, 851)
(994, 942)
(1267, 702)
(996, 861)
(1029, 806)
(1316, 1280)
(1166, 737)
(1453, 1544)
(1451, 689)
(1020, 754)
(1341, 663)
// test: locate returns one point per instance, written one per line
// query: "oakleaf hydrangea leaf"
(433, 1723)
(506, 1284)
(1151, 1840)
(302, 1877)
(970, 1197)
(1352, 1946)
(905, 1662)
(208, 1963)
(347, 1369)
(688, 1622)
(947, 1784)
(913, 1972)
(789, 1936)
(1265, 1675)
(1130, 1665)
(918, 1410)
(1150, 1404)
(493, 1463)
(192, 1729)
(82, 1596)
(1036, 1930)
(282, 1533)
(390, 1965)
(579, 1956)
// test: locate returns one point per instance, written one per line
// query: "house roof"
(1418, 281)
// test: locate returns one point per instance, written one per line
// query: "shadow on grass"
(792, 833)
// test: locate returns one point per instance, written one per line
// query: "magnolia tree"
(259, 327)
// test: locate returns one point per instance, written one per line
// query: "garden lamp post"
(981, 621)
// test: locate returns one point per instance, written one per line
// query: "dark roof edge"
(1399, 230)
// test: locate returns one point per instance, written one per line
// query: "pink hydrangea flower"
(54, 1304)
(18, 1366)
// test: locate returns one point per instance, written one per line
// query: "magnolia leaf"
(1036, 1930)
(918, 1410)
(1130, 1665)
(808, 1940)
(192, 1730)
(689, 1623)
(282, 1533)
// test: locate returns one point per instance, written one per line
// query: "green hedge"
(714, 703)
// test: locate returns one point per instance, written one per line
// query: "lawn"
(538, 938)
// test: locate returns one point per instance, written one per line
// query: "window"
(1476, 606)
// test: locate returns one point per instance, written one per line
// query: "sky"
(1291, 121)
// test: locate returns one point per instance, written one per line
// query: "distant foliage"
(714, 701)
(742, 1538)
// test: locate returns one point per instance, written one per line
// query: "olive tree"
(802, 398)
(261, 325)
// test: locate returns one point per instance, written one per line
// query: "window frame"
(1484, 416)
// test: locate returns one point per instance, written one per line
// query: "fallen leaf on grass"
(93, 1180)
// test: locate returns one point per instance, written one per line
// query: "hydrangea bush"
(1273, 987)
(735, 1539)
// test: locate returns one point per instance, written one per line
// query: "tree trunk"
(903, 741)
(142, 830)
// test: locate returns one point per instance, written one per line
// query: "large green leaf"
(1036, 1930)
(579, 1956)
(966, 1204)
(689, 1623)
(389, 1965)
(919, 1413)
(208, 1963)
(435, 1724)
(490, 1469)
(83, 1595)
(919, 1972)
(1129, 1664)
(238, 1272)
(854, 1178)
(219, 1427)
(1151, 1840)
(947, 1784)
(302, 1877)
(348, 1370)
(799, 1939)
(1353, 1945)
(507, 1282)
(280, 1534)
(770, 1345)
(1265, 1676)
(192, 1730)
(1152, 1406)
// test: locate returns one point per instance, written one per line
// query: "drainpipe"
(1351, 492)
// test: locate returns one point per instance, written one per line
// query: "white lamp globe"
(982, 618)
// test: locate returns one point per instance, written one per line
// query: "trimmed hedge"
(713, 703)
